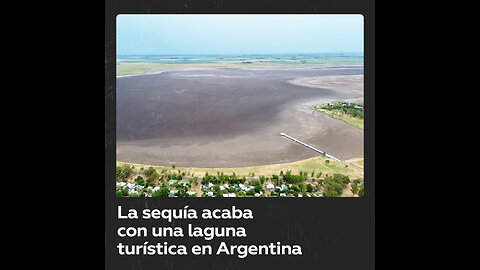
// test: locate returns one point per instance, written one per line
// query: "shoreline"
(304, 164)
(359, 98)
(352, 66)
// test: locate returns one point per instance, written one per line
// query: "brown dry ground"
(350, 83)
(227, 117)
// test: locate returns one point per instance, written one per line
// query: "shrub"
(154, 176)
(162, 192)
(149, 171)
(331, 193)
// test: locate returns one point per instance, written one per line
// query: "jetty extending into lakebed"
(309, 146)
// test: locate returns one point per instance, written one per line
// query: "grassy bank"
(341, 115)
(356, 122)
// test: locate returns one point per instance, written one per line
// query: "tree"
(262, 179)
(182, 193)
(162, 192)
(334, 185)
(276, 179)
(173, 166)
(126, 171)
(357, 182)
(119, 171)
(301, 186)
(354, 189)
(139, 180)
(258, 188)
(254, 183)
(154, 176)
(342, 178)
(292, 179)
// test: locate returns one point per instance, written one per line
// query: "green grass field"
(354, 121)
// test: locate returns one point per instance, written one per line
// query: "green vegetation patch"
(350, 113)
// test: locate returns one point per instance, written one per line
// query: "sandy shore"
(232, 118)
(350, 84)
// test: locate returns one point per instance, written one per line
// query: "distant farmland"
(144, 64)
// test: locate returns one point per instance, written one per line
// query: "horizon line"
(209, 54)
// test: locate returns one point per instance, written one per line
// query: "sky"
(175, 34)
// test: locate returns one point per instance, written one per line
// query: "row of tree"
(333, 184)
(353, 109)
